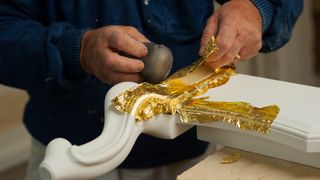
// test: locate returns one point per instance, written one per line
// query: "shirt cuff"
(69, 46)
(266, 10)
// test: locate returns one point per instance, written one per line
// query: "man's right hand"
(100, 56)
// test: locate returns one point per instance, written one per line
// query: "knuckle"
(131, 29)
(241, 38)
(115, 28)
(119, 42)
(222, 44)
(206, 33)
(115, 38)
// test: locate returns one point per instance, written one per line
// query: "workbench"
(249, 166)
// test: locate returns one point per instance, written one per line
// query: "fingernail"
(145, 49)
(141, 65)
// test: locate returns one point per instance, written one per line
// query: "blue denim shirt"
(39, 52)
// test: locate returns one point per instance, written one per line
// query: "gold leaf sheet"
(177, 94)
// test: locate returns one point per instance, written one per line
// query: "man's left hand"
(237, 26)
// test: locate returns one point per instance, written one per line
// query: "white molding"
(297, 124)
(15, 146)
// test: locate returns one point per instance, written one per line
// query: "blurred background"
(297, 62)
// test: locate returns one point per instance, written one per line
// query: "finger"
(216, 64)
(229, 57)
(232, 54)
(122, 64)
(117, 77)
(251, 55)
(123, 42)
(251, 50)
(225, 39)
(135, 34)
(209, 31)
(248, 55)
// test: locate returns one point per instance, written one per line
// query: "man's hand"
(100, 56)
(237, 26)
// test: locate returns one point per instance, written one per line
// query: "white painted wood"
(295, 133)
(66, 161)
(294, 136)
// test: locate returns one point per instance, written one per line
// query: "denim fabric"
(39, 52)
(284, 18)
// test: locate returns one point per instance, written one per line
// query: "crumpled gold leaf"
(177, 95)
(234, 157)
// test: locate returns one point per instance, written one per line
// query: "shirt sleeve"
(279, 18)
(32, 53)
(266, 10)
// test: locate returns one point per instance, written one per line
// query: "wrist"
(69, 47)
(83, 47)
(266, 11)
